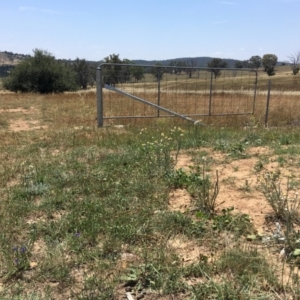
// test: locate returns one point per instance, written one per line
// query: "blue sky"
(151, 29)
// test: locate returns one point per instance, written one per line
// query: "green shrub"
(41, 73)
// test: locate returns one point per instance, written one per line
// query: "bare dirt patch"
(239, 189)
(22, 110)
(239, 182)
(26, 122)
(184, 161)
(22, 125)
(179, 200)
(188, 251)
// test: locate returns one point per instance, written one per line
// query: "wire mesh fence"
(195, 93)
(190, 92)
(278, 101)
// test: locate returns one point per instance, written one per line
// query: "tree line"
(43, 73)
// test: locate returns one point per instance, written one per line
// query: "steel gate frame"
(100, 85)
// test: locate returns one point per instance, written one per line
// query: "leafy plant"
(183, 179)
(239, 224)
(236, 149)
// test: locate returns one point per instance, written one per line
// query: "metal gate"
(145, 91)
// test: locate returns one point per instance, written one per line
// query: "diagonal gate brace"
(109, 87)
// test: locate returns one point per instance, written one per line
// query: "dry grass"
(80, 108)
(284, 107)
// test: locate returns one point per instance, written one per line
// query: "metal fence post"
(99, 97)
(268, 104)
(158, 96)
(210, 93)
(255, 91)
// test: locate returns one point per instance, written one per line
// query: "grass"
(85, 211)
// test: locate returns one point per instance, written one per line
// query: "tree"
(255, 62)
(114, 74)
(177, 66)
(190, 64)
(216, 64)
(83, 72)
(157, 71)
(269, 61)
(238, 64)
(295, 62)
(126, 71)
(41, 73)
(137, 72)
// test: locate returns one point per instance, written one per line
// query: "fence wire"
(199, 92)
(191, 92)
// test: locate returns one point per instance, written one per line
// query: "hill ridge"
(10, 58)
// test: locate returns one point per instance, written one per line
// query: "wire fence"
(192, 92)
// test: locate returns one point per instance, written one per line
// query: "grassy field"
(160, 209)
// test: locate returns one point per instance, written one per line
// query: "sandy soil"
(23, 124)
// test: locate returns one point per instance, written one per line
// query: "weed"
(236, 149)
(281, 161)
(159, 151)
(226, 221)
(153, 275)
(259, 166)
(285, 206)
(206, 193)
(182, 179)
(246, 187)
(198, 184)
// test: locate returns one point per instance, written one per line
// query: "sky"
(151, 29)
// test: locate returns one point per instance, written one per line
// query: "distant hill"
(199, 61)
(10, 58)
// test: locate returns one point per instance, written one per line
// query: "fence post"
(255, 91)
(158, 96)
(268, 104)
(210, 93)
(99, 97)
